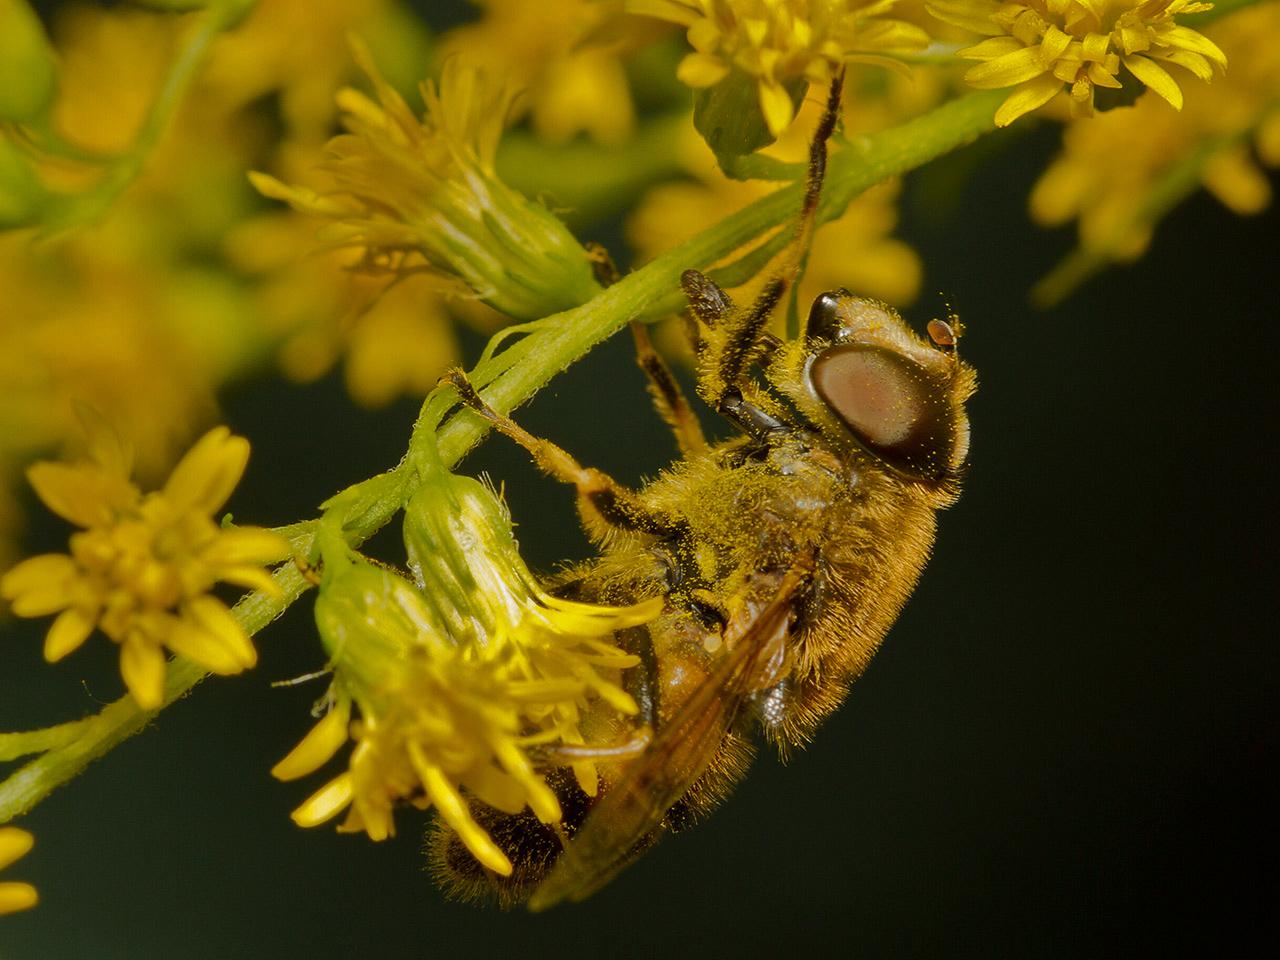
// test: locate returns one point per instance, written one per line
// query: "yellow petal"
(974, 15)
(300, 198)
(1029, 96)
(212, 615)
(775, 104)
(254, 578)
(542, 801)
(1267, 140)
(40, 585)
(66, 634)
(15, 843)
(200, 646)
(1156, 78)
(85, 494)
(376, 821)
(17, 896)
(246, 545)
(142, 666)
(326, 803)
(1188, 39)
(1188, 60)
(1232, 177)
(1054, 44)
(1016, 67)
(318, 746)
(891, 35)
(992, 48)
(701, 70)
(455, 813)
(499, 790)
(204, 478)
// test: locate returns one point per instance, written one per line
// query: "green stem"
(550, 348)
(14, 745)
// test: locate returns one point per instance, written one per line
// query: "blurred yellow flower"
(296, 49)
(14, 896)
(142, 567)
(422, 196)
(393, 336)
(1110, 166)
(569, 84)
(1041, 47)
(777, 41)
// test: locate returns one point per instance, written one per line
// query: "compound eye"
(824, 316)
(891, 405)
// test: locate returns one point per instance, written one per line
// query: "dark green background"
(1065, 749)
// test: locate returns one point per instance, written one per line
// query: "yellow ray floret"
(448, 687)
(142, 568)
(777, 41)
(1042, 47)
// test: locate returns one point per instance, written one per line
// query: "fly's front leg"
(606, 503)
(735, 337)
(730, 339)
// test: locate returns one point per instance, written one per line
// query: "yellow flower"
(142, 567)
(422, 196)
(1042, 47)
(456, 680)
(778, 41)
(1110, 166)
(14, 896)
(569, 85)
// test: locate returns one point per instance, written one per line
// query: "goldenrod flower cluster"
(1110, 166)
(1042, 47)
(448, 685)
(142, 567)
(777, 41)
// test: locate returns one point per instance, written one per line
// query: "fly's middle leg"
(602, 499)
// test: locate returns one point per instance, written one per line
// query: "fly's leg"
(610, 502)
(734, 338)
(668, 399)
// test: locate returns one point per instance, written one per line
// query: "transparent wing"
(618, 828)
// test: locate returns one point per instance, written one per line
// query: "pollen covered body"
(783, 555)
(753, 512)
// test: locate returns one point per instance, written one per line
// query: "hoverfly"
(784, 553)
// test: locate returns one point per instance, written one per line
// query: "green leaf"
(28, 74)
(729, 117)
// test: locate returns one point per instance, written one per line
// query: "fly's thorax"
(882, 397)
(751, 510)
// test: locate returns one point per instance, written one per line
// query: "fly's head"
(873, 387)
